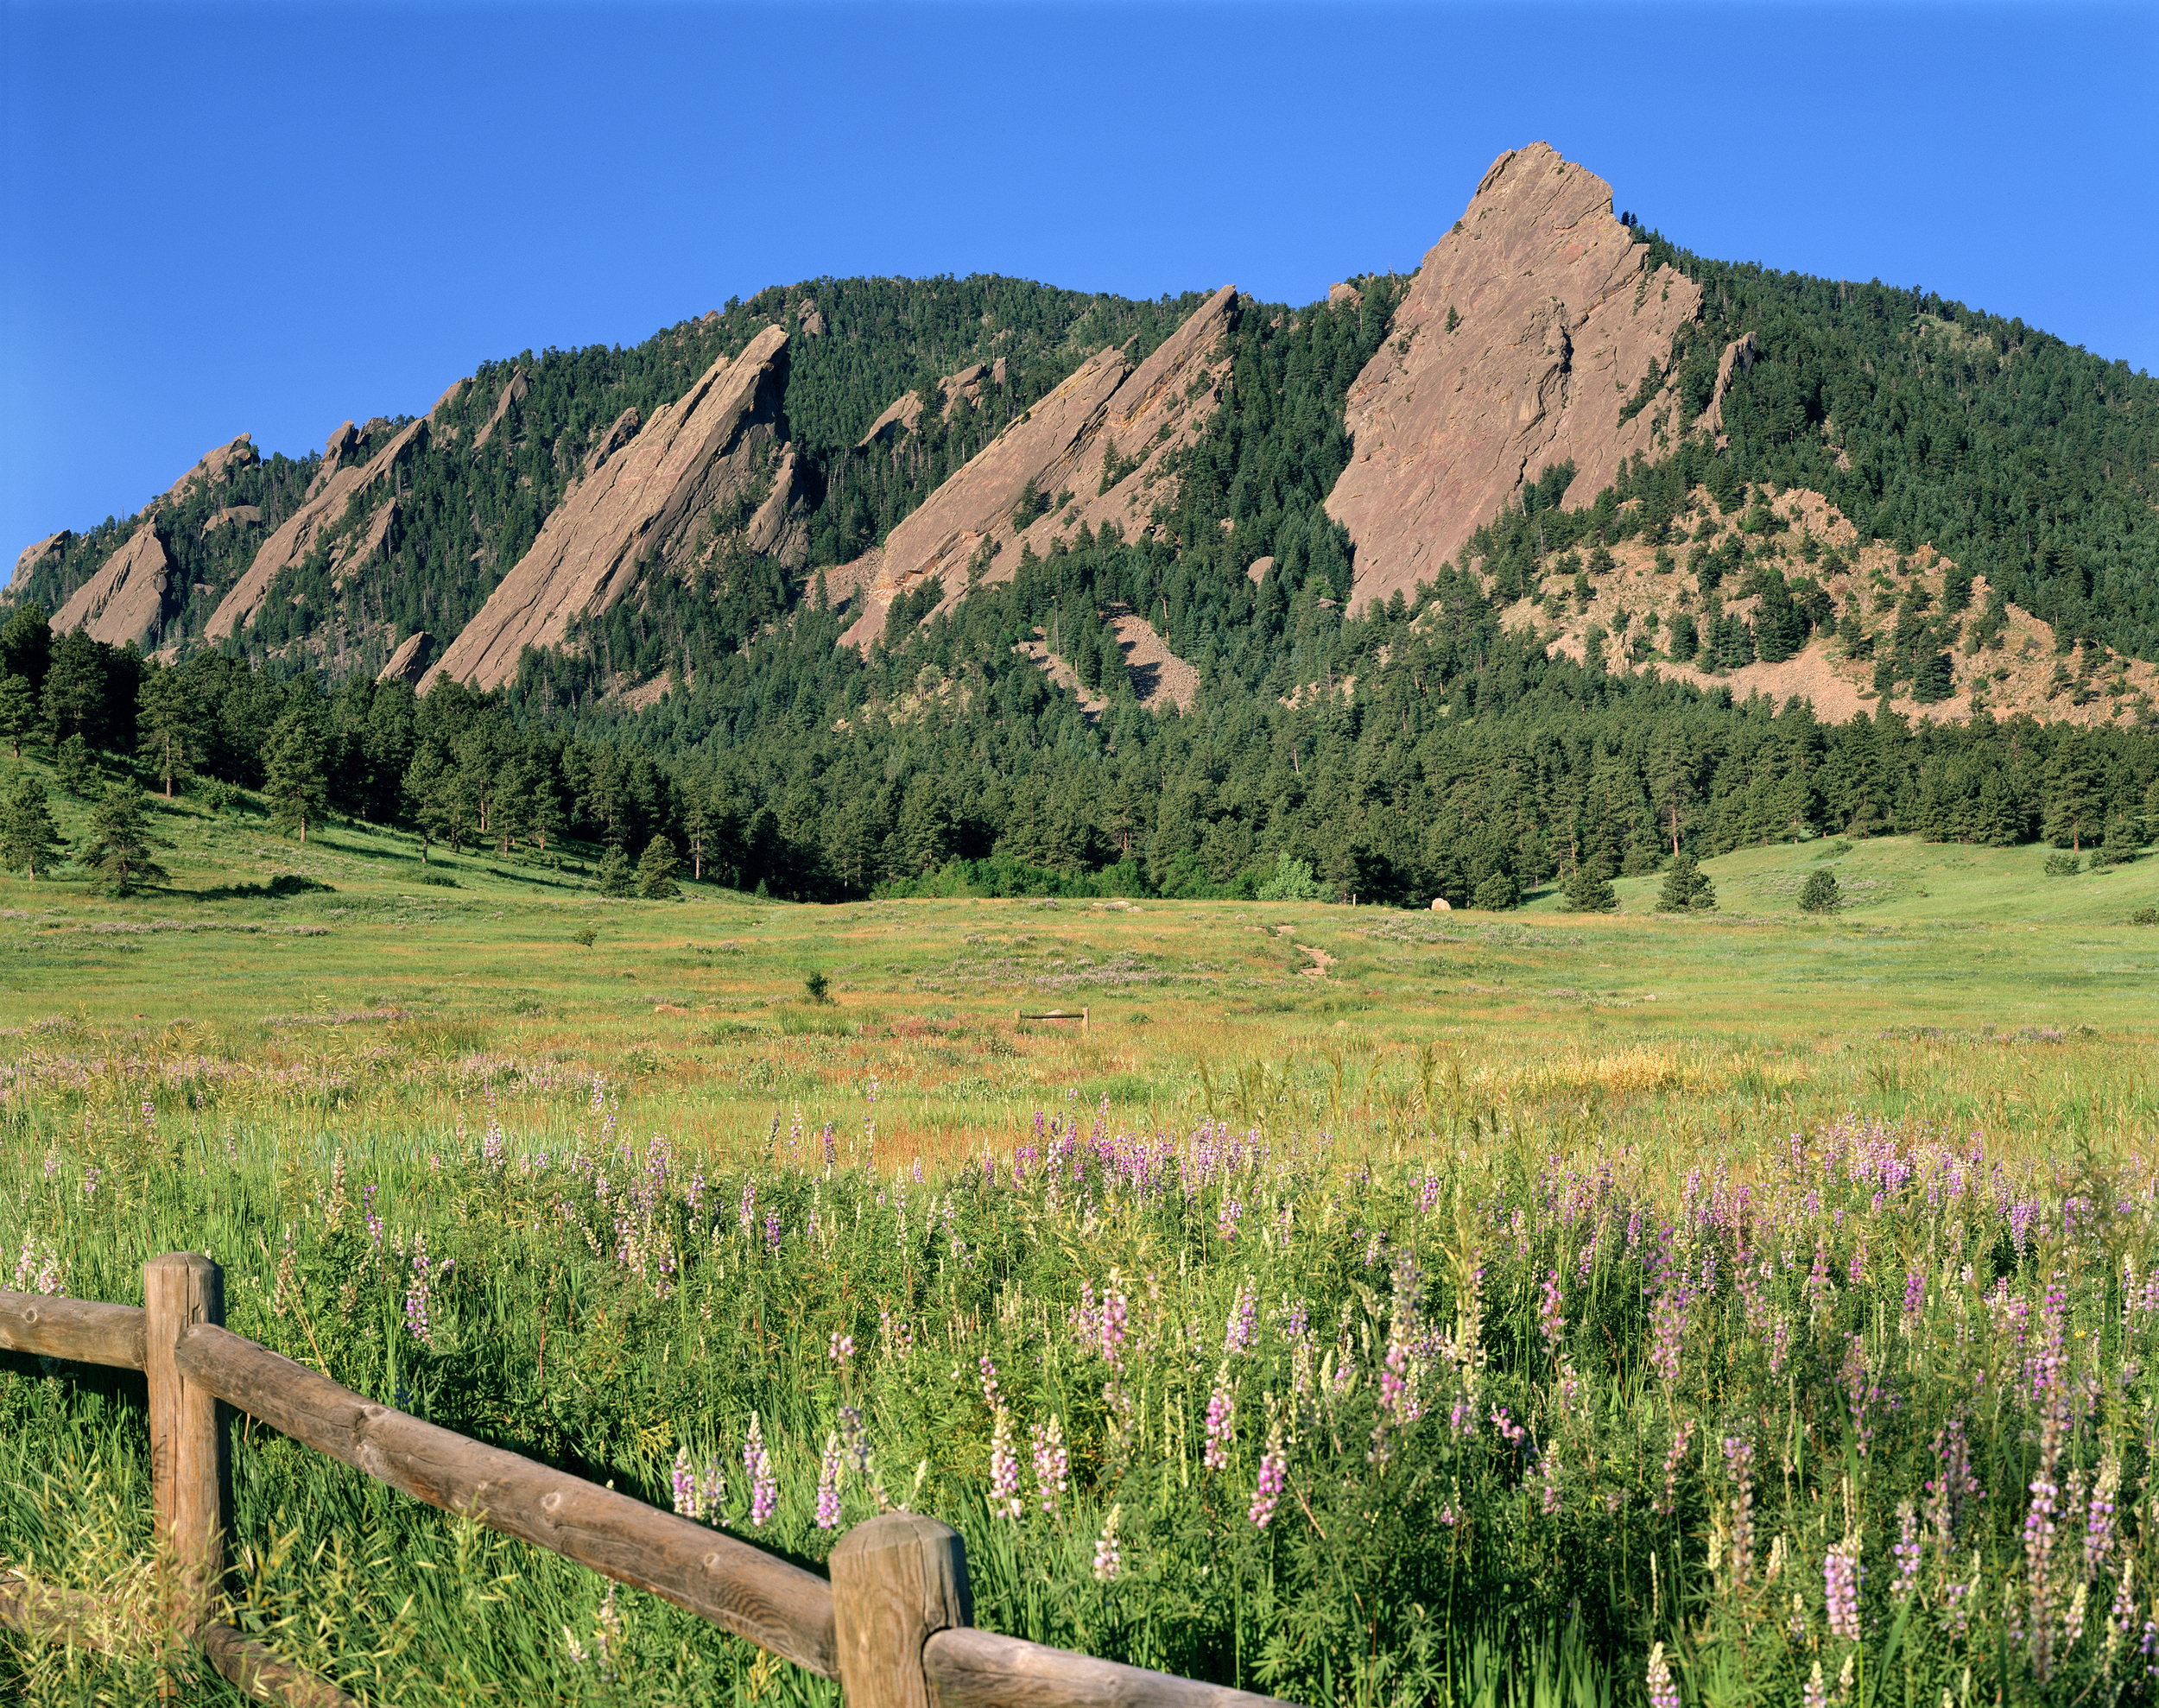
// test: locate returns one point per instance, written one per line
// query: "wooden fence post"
(895, 1581)
(189, 1471)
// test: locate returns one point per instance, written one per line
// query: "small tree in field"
(1589, 891)
(121, 842)
(292, 771)
(27, 834)
(1821, 895)
(617, 879)
(655, 871)
(1686, 888)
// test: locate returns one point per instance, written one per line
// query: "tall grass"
(1484, 1392)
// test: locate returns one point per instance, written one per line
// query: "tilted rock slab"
(125, 599)
(1559, 315)
(28, 559)
(218, 464)
(1058, 445)
(324, 507)
(644, 504)
(408, 664)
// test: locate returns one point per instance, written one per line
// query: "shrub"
(1497, 894)
(1686, 888)
(816, 986)
(1820, 895)
(2145, 916)
(436, 880)
(1589, 891)
(2062, 865)
(617, 881)
(1292, 882)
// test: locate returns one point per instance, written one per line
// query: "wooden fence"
(893, 1625)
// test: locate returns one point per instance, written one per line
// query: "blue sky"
(229, 219)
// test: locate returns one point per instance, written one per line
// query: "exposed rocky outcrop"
(812, 322)
(1337, 294)
(1109, 418)
(124, 601)
(325, 506)
(219, 465)
(644, 505)
(408, 664)
(619, 433)
(230, 515)
(1738, 356)
(902, 415)
(29, 557)
(514, 391)
(1529, 329)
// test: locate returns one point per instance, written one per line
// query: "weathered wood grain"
(81, 1329)
(190, 1476)
(262, 1677)
(773, 1604)
(969, 1668)
(896, 1578)
(49, 1615)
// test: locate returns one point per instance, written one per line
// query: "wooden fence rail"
(894, 1626)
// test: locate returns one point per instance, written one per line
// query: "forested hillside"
(1876, 479)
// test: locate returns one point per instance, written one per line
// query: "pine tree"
(28, 835)
(2074, 808)
(1686, 888)
(294, 775)
(618, 879)
(18, 711)
(1820, 895)
(655, 872)
(165, 722)
(1589, 891)
(74, 686)
(121, 840)
(77, 771)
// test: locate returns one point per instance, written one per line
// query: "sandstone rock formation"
(813, 323)
(1337, 294)
(218, 464)
(902, 415)
(512, 392)
(408, 664)
(1739, 354)
(619, 433)
(1530, 327)
(124, 600)
(644, 505)
(28, 558)
(1107, 410)
(324, 506)
(229, 514)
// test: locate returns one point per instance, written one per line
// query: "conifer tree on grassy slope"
(1686, 887)
(119, 852)
(167, 737)
(18, 711)
(29, 837)
(655, 872)
(293, 779)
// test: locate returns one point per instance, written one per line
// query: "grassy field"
(1512, 1251)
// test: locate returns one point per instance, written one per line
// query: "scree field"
(1365, 1307)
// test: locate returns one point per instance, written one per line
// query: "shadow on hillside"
(282, 888)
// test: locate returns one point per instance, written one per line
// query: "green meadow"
(1464, 1264)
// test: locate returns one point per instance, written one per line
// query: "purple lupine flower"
(1669, 1328)
(712, 1491)
(840, 1349)
(1739, 1466)
(1004, 1469)
(1220, 1422)
(1905, 1551)
(772, 1231)
(1226, 1220)
(1274, 1473)
(1551, 1312)
(2099, 1525)
(1108, 1560)
(685, 1483)
(746, 1216)
(1244, 1325)
(1053, 1463)
(1840, 1589)
(1663, 1693)
(1914, 1298)
(764, 1491)
(991, 1397)
(1816, 1694)
(1548, 1473)
(1673, 1459)
(828, 1483)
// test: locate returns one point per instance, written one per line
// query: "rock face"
(408, 664)
(619, 433)
(1556, 317)
(325, 505)
(1108, 408)
(218, 464)
(125, 600)
(644, 504)
(230, 514)
(27, 559)
(1739, 354)
(511, 393)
